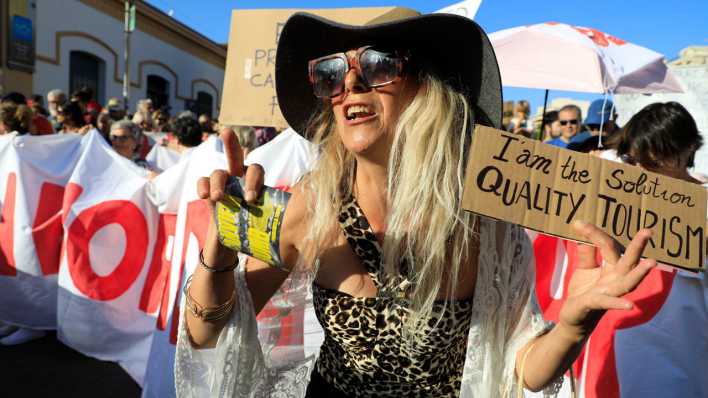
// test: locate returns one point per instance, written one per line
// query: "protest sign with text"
(249, 81)
(546, 188)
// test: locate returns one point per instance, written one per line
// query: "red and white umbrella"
(558, 56)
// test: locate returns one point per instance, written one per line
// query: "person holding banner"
(663, 138)
(71, 118)
(416, 296)
(126, 138)
(14, 117)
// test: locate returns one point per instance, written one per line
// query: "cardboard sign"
(249, 82)
(545, 188)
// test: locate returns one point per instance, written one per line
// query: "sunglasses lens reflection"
(379, 68)
(329, 77)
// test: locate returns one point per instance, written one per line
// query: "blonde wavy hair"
(425, 226)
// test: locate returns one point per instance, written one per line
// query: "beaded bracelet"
(216, 269)
(208, 314)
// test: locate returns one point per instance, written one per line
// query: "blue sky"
(664, 26)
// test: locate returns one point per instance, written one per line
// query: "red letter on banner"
(7, 257)
(601, 379)
(47, 230)
(648, 298)
(83, 228)
(71, 194)
(197, 224)
(159, 266)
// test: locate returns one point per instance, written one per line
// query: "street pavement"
(47, 368)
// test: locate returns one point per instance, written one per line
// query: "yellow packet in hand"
(252, 229)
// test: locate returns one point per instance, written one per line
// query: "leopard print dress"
(363, 354)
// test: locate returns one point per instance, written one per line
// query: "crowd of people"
(125, 131)
(132, 135)
(599, 134)
(566, 127)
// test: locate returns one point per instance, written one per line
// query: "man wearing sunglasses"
(569, 118)
(599, 121)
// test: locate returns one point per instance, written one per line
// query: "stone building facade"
(66, 44)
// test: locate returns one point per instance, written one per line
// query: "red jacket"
(41, 126)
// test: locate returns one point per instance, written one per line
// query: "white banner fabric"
(33, 173)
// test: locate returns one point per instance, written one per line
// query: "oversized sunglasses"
(571, 121)
(376, 68)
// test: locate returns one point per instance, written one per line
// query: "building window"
(87, 70)
(158, 90)
(205, 103)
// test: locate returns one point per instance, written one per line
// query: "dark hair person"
(664, 138)
(14, 117)
(161, 120)
(71, 117)
(660, 137)
(15, 97)
(188, 132)
(416, 296)
(39, 125)
(82, 97)
(551, 126)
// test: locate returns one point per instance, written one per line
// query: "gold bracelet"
(208, 314)
(521, 382)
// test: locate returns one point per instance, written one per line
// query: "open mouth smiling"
(358, 111)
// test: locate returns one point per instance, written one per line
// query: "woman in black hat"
(416, 297)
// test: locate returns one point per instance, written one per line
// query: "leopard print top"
(363, 355)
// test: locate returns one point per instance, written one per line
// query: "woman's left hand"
(594, 289)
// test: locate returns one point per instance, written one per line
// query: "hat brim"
(451, 47)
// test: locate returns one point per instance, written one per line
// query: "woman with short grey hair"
(125, 137)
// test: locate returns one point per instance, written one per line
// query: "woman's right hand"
(211, 289)
(212, 188)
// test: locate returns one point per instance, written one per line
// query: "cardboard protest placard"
(249, 82)
(545, 188)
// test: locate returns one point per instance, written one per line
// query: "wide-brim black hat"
(451, 47)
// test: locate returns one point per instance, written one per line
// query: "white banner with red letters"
(90, 247)
(34, 171)
(103, 307)
(184, 220)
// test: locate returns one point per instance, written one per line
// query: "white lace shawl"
(246, 363)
